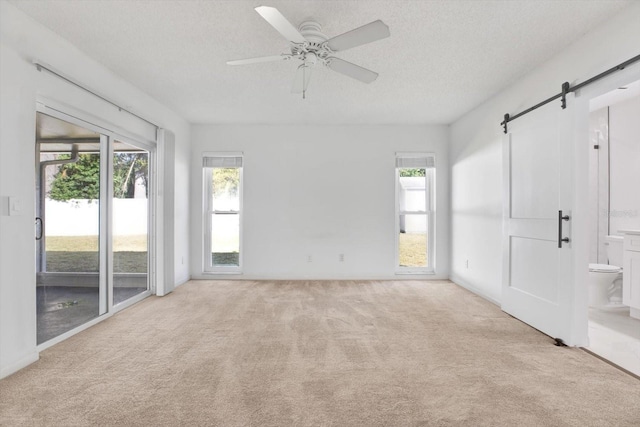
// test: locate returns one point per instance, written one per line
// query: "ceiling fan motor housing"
(312, 31)
(315, 47)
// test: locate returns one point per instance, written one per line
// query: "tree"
(79, 180)
(413, 172)
(226, 181)
(127, 169)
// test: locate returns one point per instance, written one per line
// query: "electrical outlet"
(309, 259)
(341, 257)
(466, 263)
(182, 260)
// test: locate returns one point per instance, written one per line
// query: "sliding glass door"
(69, 243)
(130, 221)
(93, 195)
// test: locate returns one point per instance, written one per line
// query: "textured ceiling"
(443, 57)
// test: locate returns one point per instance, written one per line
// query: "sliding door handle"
(561, 239)
(39, 228)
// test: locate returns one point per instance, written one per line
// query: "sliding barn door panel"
(527, 276)
(536, 272)
(534, 162)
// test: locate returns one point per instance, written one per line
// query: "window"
(222, 213)
(415, 213)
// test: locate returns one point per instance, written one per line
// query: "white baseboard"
(309, 278)
(182, 281)
(22, 363)
(177, 283)
(460, 282)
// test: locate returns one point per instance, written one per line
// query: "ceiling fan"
(309, 45)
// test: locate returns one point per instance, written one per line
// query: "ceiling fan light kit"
(310, 46)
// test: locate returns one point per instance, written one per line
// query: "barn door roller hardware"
(566, 88)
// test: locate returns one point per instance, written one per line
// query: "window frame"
(208, 212)
(430, 212)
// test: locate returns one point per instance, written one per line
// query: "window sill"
(218, 272)
(415, 272)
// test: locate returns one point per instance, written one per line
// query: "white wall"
(614, 175)
(320, 191)
(624, 170)
(22, 41)
(476, 150)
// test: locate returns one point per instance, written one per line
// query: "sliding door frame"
(107, 137)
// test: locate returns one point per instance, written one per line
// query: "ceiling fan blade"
(280, 23)
(371, 32)
(271, 58)
(301, 80)
(351, 70)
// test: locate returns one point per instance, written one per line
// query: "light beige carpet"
(317, 353)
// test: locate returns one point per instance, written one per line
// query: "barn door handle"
(38, 228)
(561, 239)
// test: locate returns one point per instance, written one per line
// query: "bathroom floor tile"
(615, 336)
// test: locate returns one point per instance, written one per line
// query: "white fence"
(80, 217)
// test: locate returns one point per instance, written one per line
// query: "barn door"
(537, 253)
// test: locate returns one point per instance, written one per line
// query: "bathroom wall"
(614, 174)
(624, 170)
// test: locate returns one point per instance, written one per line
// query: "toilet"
(605, 280)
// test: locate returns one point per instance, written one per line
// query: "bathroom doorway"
(613, 220)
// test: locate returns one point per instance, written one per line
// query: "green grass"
(87, 262)
(225, 258)
(412, 250)
(136, 243)
(79, 254)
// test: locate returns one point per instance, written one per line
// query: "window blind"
(222, 162)
(416, 162)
